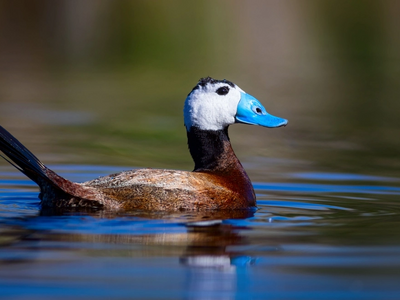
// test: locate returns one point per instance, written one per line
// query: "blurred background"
(104, 81)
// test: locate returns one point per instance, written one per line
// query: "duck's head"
(216, 104)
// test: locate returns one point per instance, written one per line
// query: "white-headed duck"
(218, 181)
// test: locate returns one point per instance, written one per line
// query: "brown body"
(218, 182)
(150, 189)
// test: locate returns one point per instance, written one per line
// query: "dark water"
(314, 236)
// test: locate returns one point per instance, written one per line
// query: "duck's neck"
(211, 150)
(212, 153)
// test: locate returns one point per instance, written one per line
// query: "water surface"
(314, 235)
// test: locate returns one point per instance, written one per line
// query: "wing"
(171, 190)
(154, 189)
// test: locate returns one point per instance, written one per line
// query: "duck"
(217, 182)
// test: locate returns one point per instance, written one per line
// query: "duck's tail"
(21, 158)
(55, 190)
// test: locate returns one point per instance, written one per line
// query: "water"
(314, 236)
(95, 87)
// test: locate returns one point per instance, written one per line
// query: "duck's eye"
(222, 91)
(258, 110)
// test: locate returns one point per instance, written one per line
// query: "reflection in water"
(199, 217)
(211, 268)
(206, 283)
(193, 234)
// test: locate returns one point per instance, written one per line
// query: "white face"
(212, 107)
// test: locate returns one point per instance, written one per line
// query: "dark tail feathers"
(55, 190)
(22, 158)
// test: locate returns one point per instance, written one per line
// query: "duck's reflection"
(183, 216)
(201, 233)
(204, 245)
(215, 269)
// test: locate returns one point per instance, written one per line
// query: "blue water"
(313, 236)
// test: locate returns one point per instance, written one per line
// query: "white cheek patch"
(207, 110)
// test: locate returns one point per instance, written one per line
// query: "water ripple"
(327, 188)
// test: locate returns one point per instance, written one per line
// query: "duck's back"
(159, 189)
